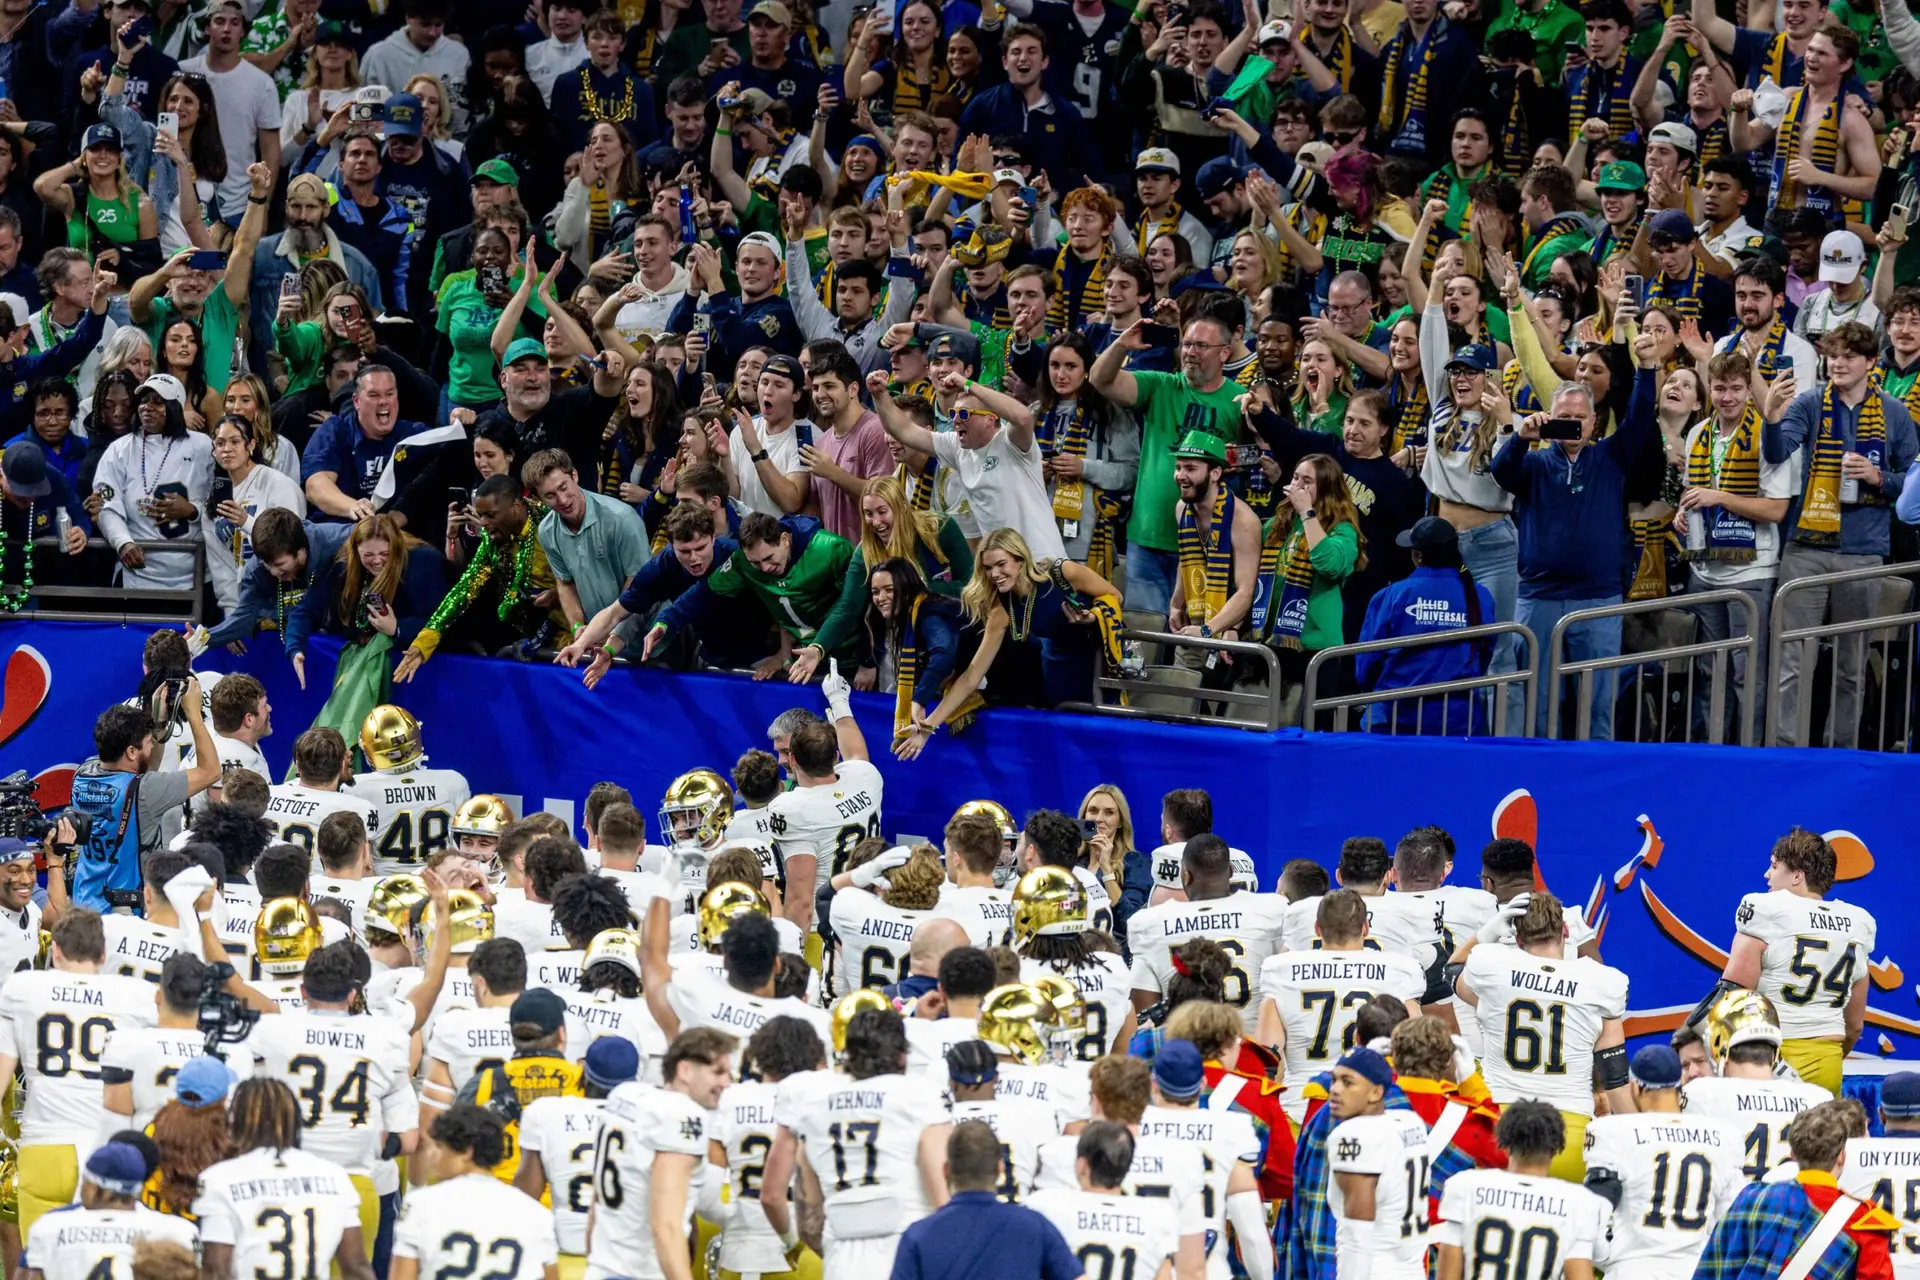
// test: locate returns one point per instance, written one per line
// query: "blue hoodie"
(1426, 602)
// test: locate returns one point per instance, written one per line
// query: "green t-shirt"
(467, 319)
(1554, 27)
(1877, 59)
(219, 322)
(1168, 409)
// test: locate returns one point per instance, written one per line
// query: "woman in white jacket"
(158, 475)
(229, 521)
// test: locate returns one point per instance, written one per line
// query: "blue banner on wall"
(1655, 843)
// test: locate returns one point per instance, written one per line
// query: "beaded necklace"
(157, 471)
(522, 570)
(16, 601)
(1024, 627)
(594, 107)
(285, 595)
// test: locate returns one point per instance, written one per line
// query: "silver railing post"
(1718, 651)
(1808, 638)
(1495, 686)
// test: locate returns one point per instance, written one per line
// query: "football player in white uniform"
(874, 1138)
(1394, 922)
(1308, 999)
(733, 875)
(1668, 1176)
(684, 996)
(1184, 814)
(137, 946)
(1128, 1235)
(478, 825)
(1378, 1174)
(296, 809)
(646, 1169)
(1886, 1170)
(348, 1070)
(756, 779)
(469, 1215)
(1748, 1094)
(1050, 932)
(834, 805)
(415, 804)
(1806, 953)
(54, 1026)
(94, 1239)
(463, 1040)
(974, 897)
(745, 1125)
(346, 866)
(693, 824)
(1227, 1140)
(19, 913)
(1248, 927)
(967, 975)
(973, 1071)
(1023, 1023)
(271, 1200)
(887, 894)
(1520, 1221)
(622, 834)
(1548, 1022)
(140, 1062)
(557, 1139)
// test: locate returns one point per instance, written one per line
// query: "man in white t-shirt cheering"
(991, 448)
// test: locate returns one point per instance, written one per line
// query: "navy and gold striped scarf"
(1604, 95)
(1067, 311)
(1206, 558)
(1736, 470)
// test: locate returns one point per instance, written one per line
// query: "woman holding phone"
(188, 134)
(470, 305)
(378, 592)
(242, 489)
(247, 398)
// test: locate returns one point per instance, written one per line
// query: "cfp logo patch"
(690, 1128)
(1348, 1149)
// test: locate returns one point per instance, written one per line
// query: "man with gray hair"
(781, 732)
(1349, 326)
(1570, 504)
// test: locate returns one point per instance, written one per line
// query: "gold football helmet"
(1003, 872)
(286, 932)
(1017, 1019)
(395, 902)
(390, 739)
(847, 1006)
(695, 811)
(1069, 1006)
(470, 918)
(1739, 1017)
(9, 1181)
(482, 815)
(1048, 901)
(621, 946)
(722, 903)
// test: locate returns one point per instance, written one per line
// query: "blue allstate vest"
(112, 857)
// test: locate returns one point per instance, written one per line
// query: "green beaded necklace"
(16, 601)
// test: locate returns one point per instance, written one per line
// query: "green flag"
(1250, 95)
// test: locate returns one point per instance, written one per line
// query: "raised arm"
(720, 154)
(917, 735)
(508, 324)
(1109, 375)
(1707, 21)
(897, 424)
(246, 238)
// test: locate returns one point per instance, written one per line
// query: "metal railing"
(127, 596)
(1717, 651)
(1418, 694)
(1893, 648)
(1150, 682)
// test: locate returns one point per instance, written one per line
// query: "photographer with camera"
(126, 801)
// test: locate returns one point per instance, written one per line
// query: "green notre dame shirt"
(1168, 409)
(801, 598)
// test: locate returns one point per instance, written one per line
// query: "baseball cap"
(773, 11)
(1429, 533)
(545, 1009)
(404, 115)
(1203, 445)
(117, 1167)
(218, 5)
(787, 367)
(971, 1062)
(1014, 176)
(100, 135)
(1477, 356)
(167, 387)
(1157, 160)
(1841, 257)
(332, 33)
(1900, 1095)
(25, 467)
(1313, 155)
(1763, 246)
(498, 172)
(1675, 135)
(963, 347)
(754, 103)
(1673, 225)
(1218, 176)
(1277, 30)
(1178, 1070)
(1621, 175)
(1369, 1064)
(763, 240)
(611, 1060)
(202, 1082)
(1656, 1066)
(12, 850)
(523, 349)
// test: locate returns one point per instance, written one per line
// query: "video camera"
(20, 816)
(224, 1017)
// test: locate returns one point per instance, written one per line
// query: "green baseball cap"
(1203, 445)
(499, 171)
(1621, 175)
(524, 348)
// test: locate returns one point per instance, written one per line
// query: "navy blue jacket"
(737, 326)
(260, 591)
(665, 578)
(1426, 602)
(1055, 130)
(946, 1245)
(1572, 516)
(13, 519)
(19, 374)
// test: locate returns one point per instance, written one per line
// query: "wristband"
(758, 457)
(253, 199)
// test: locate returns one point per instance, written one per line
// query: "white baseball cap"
(1841, 257)
(1157, 160)
(1278, 29)
(1014, 176)
(1676, 135)
(168, 387)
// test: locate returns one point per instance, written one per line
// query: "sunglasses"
(1345, 138)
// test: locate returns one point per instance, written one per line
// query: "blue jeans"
(1597, 639)
(1492, 556)
(1150, 579)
